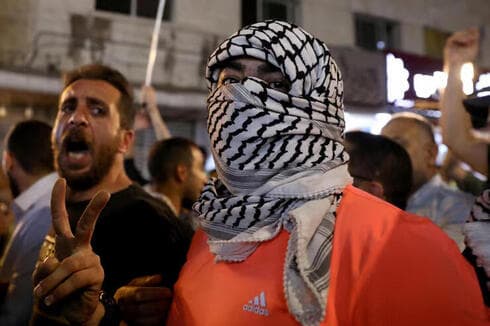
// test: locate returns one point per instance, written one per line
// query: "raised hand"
(72, 280)
(144, 301)
(462, 47)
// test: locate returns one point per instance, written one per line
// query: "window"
(140, 8)
(259, 10)
(375, 33)
(434, 40)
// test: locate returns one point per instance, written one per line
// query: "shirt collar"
(435, 181)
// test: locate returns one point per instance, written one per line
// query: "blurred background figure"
(149, 127)
(379, 166)
(6, 214)
(431, 196)
(459, 175)
(459, 135)
(28, 164)
(176, 167)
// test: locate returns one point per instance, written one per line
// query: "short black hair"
(29, 142)
(166, 154)
(377, 158)
(113, 77)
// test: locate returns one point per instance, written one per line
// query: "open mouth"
(76, 150)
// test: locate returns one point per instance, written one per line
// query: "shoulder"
(136, 200)
(395, 260)
(136, 210)
(372, 222)
(359, 206)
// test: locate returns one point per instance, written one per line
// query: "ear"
(181, 172)
(7, 161)
(431, 151)
(127, 138)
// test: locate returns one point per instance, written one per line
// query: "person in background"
(28, 163)
(176, 167)
(149, 128)
(6, 214)
(266, 251)
(462, 47)
(136, 234)
(431, 196)
(379, 166)
(460, 176)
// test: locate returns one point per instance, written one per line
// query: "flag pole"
(154, 43)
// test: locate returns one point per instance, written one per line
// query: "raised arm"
(149, 100)
(460, 48)
(68, 285)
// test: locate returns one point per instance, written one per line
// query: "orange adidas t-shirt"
(388, 268)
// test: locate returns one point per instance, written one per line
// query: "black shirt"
(136, 235)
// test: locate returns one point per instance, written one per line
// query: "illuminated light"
(380, 45)
(28, 113)
(423, 85)
(483, 81)
(440, 79)
(467, 74)
(358, 121)
(397, 78)
(3, 112)
(426, 85)
(407, 104)
(482, 94)
(380, 120)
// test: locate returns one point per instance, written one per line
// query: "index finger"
(86, 223)
(59, 214)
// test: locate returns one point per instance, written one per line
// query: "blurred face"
(6, 214)
(196, 180)
(87, 134)
(237, 69)
(422, 151)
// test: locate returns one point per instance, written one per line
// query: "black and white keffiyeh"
(279, 158)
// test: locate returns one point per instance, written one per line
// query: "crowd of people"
(302, 225)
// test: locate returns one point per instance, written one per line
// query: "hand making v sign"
(75, 270)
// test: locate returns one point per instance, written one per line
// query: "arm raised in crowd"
(69, 283)
(460, 48)
(149, 101)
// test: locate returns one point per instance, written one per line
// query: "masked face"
(87, 134)
(237, 69)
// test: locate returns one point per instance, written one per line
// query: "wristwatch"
(112, 315)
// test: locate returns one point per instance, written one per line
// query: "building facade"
(39, 39)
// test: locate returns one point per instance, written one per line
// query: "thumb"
(151, 280)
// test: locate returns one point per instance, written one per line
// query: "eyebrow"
(70, 100)
(93, 100)
(264, 67)
(89, 99)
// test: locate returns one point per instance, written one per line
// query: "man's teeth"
(76, 155)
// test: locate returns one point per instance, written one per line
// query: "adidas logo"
(257, 305)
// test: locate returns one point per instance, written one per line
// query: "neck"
(171, 193)
(114, 181)
(25, 181)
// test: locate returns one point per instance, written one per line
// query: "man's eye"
(280, 86)
(97, 110)
(67, 108)
(229, 80)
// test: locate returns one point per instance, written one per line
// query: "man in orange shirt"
(284, 239)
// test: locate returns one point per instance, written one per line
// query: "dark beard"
(103, 160)
(187, 203)
(14, 186)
